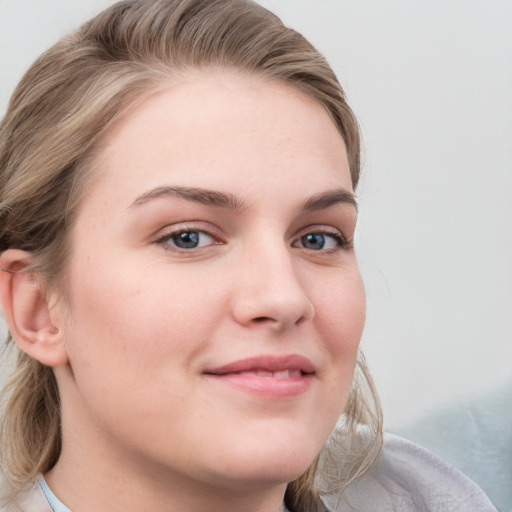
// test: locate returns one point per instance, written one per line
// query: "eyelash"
(341, 243)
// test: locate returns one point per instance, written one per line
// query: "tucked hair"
(61, 108)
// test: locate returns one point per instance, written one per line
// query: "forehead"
(212, 128)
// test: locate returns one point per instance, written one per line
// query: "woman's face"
(214, 303)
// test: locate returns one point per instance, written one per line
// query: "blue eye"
(321, 241)
(314, 241)
(188, 239)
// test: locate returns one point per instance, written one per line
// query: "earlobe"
(33, 323)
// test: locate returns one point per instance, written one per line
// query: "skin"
(144, 427)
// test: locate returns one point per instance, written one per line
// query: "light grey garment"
(408, 478)
(475, 435)
(405, 478)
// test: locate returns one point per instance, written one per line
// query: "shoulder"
(475, 435)
(408, 478)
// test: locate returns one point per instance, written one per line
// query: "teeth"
(264, 373)
(283, 374)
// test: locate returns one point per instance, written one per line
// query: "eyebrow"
(198, 195)
(324, 200)
(230, 201)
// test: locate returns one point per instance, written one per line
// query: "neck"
(88, 493)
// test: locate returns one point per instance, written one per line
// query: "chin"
(274, 451)
(269, 463)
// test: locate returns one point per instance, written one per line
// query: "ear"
(35, 325)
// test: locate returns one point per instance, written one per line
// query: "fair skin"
(206, 341)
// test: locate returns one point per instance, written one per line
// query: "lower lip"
(271, 387)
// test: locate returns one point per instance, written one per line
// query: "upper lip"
(270, 363)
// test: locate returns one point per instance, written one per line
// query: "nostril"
(270, 320)
(301, 320)
(261, 319)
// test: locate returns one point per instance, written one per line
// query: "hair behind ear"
(30, 404)
(30, 398)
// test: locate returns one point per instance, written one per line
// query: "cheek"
(138, 317)
(341, 312)
(133, 340)
(340, 316)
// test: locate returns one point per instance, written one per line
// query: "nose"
(270, 291)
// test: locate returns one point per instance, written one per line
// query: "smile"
(267, 376)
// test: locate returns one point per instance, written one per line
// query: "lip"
(267, 375)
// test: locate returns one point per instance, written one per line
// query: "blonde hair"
(65, 103)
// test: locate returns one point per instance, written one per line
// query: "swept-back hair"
(64, 104)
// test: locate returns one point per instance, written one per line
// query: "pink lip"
(267, 375)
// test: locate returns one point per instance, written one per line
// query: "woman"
(177, 215)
